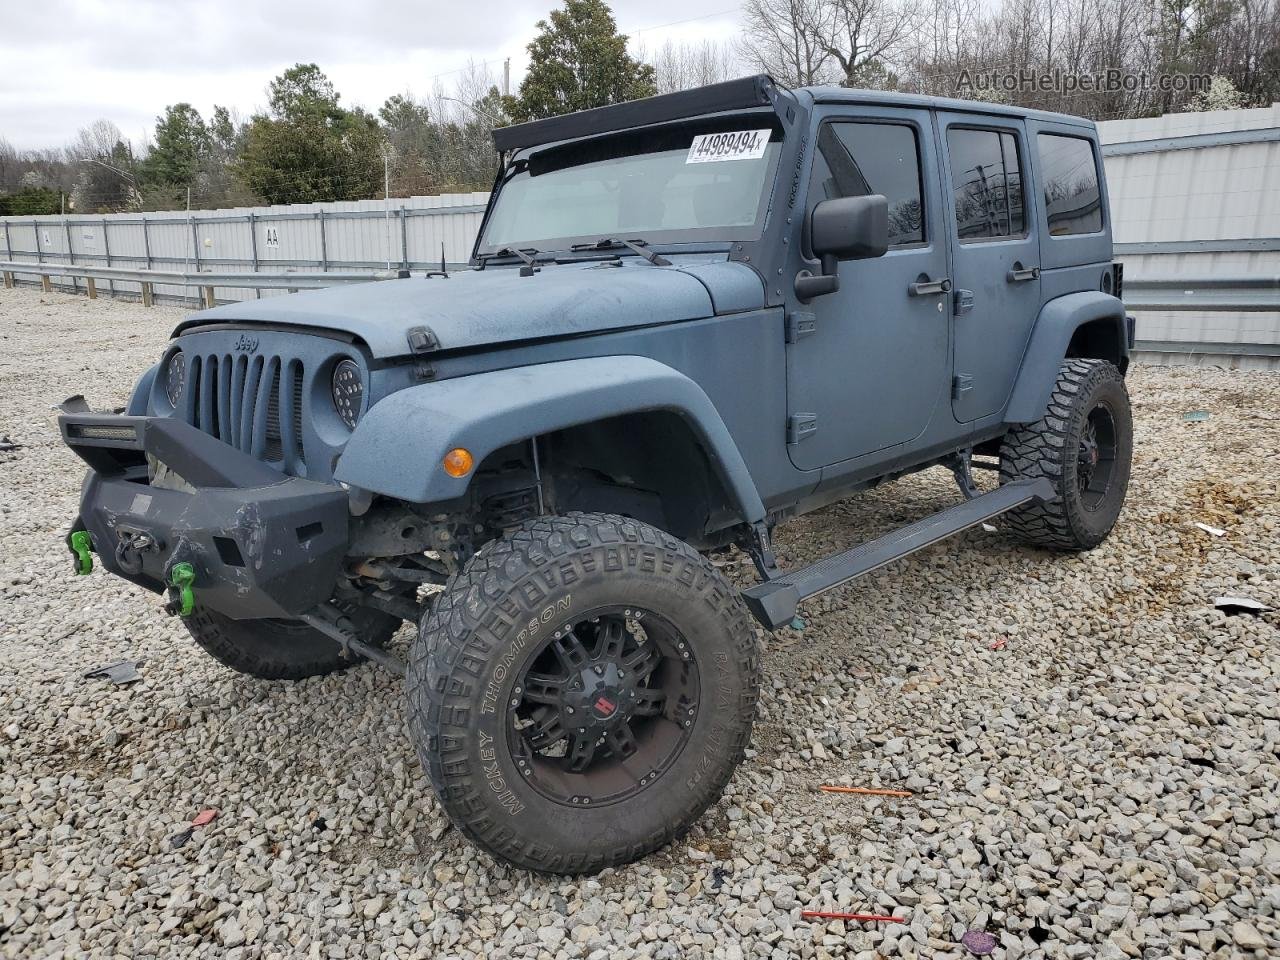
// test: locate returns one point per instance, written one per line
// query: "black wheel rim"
(1096, 457)
(603, 706)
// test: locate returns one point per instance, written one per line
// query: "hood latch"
(422, 341)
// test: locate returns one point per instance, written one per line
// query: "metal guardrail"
(1242, 294)
(205, 282)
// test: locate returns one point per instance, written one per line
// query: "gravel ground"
(1101, 783)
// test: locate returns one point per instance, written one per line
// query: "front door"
(867, 365)
(995, 257)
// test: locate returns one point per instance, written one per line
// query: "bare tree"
(865, 38)
(686, 65)
(784, 38)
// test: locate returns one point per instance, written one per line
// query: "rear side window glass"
(986, 182)
(860, 159)
(1070, 176)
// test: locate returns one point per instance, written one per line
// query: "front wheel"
(581, 692)
(1084, 445)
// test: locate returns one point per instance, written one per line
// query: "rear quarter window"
(1069, 172)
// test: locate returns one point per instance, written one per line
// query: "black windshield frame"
(632, 142)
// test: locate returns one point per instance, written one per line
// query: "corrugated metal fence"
(410, 233)
(1197, 195)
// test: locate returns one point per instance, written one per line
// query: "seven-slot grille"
(252, 403)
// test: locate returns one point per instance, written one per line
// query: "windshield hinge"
(800, 325)
(422, 340)
(801, 426)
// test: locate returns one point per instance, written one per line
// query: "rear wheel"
(1084, 445)
(283, 649)
(582, 691)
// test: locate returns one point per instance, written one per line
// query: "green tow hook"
(82, 547)
(181, 577)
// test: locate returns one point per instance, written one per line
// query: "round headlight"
(175, 377)
(348, 391)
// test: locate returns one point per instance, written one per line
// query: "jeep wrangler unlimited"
(688, 318)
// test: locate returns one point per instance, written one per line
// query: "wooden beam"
(206, 297)
(8, 279)
(92, 286)
(147, 298)
(46, 284)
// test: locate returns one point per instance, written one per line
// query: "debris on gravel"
(1092, 749)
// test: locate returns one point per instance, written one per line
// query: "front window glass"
(680, 184)
(857, 159)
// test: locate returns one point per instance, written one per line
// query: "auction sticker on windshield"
(738, 145)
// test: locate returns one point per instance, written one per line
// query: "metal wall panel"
(1204, 201)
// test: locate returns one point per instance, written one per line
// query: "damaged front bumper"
(258, 543)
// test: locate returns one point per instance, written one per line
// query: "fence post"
(71, 257)
(106, 249)
(35, 225)
(146, 240)
(404, 240)
(147, 297)
(91, 286)
(206, 297)
(324, 246)
(253, 247)
(8, 279)
(8, 244)
(46, 285)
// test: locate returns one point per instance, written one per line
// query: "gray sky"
(70, 62)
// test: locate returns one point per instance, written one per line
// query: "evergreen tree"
(578, 61)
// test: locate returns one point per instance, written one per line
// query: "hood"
(474, 308)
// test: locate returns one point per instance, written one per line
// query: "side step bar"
(774, 602)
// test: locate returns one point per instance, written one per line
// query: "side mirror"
(846, 228)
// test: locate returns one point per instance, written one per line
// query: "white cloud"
(70, 62)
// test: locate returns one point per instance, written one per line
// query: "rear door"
(867, 365)
(995, 256)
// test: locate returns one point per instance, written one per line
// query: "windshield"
(684, 183)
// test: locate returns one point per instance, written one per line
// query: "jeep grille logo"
(246, 343)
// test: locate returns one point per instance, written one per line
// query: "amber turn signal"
(458, 462)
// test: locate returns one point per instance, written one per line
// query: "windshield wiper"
(638, 247)
(528, 258)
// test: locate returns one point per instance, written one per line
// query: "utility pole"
(506, 77)
(386, 186)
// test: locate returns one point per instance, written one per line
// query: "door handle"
(1021, 274)
(928, 288)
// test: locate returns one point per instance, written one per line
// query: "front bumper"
(261, 544)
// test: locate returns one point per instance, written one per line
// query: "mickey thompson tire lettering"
(476, 639)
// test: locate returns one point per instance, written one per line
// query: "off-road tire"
(1048, 448)
(506, 601)
(283, 649)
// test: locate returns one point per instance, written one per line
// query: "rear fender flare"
(397, 448)
(1057, 323)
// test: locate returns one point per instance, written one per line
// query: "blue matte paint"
(1054, 327)
(989, 340)
(483, 307)
(488, 411)
(137, 405)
